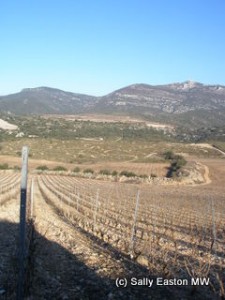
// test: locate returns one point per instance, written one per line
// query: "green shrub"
(177, 163)
(16, 168)
(153, 175)
(127, 174)
(169, 155)
(76, 170)
(104, 172)
(114, 173)
(42, 168)
(180, 161)
(88, 171)
(60, 168)
(144, 176)
(4, 166)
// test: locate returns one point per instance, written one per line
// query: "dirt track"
(206, 175)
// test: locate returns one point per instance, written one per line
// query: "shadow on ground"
(55, 273)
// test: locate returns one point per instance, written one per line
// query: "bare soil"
(7, 126)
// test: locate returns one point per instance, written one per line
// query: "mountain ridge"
(188, 100)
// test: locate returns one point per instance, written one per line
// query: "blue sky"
(97, 46)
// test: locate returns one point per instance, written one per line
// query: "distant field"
(92, 151)
(111, 119)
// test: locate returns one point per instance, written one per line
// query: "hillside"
(178, 103)
(174, 98)
(44, 100)
(189, 103)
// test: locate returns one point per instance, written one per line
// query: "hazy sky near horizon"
(97, 46)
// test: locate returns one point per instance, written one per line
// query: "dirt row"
(70, 263)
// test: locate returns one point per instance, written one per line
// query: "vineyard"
(116, 230)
